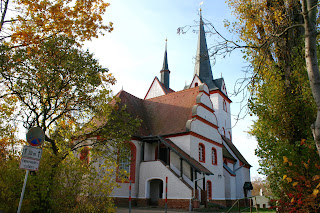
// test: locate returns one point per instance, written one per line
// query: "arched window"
(202, 153)
(196, 84)
(224, 105)
(209, 190)
(214, 156)
(223, 131)
(126, 163)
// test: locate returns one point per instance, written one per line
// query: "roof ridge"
(129, 94)
(174, 92)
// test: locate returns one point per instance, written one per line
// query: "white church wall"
(155, 90)
(204, 113)
(149, 152)
(218, 183)
(204, 99)
(205, 130)
(224, 117)
(183, 142)
(156, 170)
(228, 186)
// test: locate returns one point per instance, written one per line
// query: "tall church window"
(126, 163)
(209, 190)
(202, 152)
(230, 137)
(214, 156)
(224, 105)
(223, 131)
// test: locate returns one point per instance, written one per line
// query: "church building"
(184, 142)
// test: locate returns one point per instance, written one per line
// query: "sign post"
(31, 156)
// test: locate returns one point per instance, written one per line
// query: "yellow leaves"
(81, 19)
(292, 200)
(294, 184)
(318, 186)
(316, 177)
(305, 165)
(315, 192)
(286, 160)
(284, 177)
(289, 179)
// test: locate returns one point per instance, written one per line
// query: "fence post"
(166, 194)
(130, 194)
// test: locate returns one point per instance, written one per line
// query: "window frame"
(203, 153)
(214, 157)
(209, 190)
(132, 165)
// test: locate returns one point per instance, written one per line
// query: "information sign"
(29, 164)
(31, 152)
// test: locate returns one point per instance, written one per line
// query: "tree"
(260, 184)
(26, 22)
(281, 97)
(63, 89)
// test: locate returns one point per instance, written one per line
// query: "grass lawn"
(217, 208)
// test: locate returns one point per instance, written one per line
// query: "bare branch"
(4, 14)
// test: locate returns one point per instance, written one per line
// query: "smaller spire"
(165, 73)
(165, 60)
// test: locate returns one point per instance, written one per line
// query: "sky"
(134, 52)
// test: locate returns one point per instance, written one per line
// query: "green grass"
(235, 209)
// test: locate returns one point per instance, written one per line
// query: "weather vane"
(201, 3)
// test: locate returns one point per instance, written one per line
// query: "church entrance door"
(156, 191)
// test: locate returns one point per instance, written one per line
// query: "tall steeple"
(165, 73)
(202, 66)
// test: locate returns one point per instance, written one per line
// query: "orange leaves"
(76, 19)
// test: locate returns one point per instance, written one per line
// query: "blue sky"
(133, 52)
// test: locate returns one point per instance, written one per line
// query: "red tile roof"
(161, 115)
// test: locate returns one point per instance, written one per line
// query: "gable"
(157, 89)
(195, 81)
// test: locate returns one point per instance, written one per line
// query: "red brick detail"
(204, 138)
(132, 165)
(175, 203)
(202, 148)
(222, 94)
(205, 121)
(206, 107)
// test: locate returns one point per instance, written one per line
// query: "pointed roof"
(157, 114)
(165, 59)
(202, 66)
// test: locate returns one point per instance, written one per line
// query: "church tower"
(202, 66)
(217, 87)
(165, 73)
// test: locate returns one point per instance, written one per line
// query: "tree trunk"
(310, 17)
